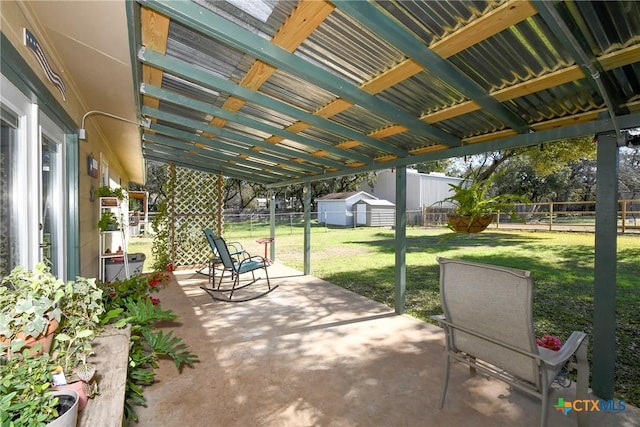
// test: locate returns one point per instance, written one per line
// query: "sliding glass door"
(32, 185)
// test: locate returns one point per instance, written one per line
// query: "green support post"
(604, 296)
(272, 223)
(401, 239)
(307, 228)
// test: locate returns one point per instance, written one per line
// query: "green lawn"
(362, 260)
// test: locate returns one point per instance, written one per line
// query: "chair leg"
(582, 383)
(445, 382)
(545, 403)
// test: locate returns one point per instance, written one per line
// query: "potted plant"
(26, 396)
(81, 309)
(108, 221)
(474, 206)
(29, 309)
(106, 191)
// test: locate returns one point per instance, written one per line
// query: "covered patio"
(312, 353)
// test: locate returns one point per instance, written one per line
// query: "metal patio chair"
(237, 265)
(488, 324)
(235, 250)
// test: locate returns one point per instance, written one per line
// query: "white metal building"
(422, 189)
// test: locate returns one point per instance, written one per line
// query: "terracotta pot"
(45, 339)
(462, 224)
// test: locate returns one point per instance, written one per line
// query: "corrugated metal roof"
(314, 89)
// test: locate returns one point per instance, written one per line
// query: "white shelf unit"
(112, 243)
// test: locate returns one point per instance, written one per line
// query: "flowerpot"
(464, 224)
(45, 339)
(67, 409)
(78, 387)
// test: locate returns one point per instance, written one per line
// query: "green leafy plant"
(29, 301)
(472, 199)
(82, 308)
(108, 221)
(25, 385)
(160, 247)
(129, 302)
(106, 191)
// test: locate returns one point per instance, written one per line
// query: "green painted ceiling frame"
(204, 107)
(390, 31)
(203, 20)
(215, 143)
(213, 155)
(556, 134)
(196, 166)
(199, 76)
(169, 154)
(224, 133)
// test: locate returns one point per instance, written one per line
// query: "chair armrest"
(236, 249)
(439, 318)
(559, 357)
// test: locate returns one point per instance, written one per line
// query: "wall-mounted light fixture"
(82, 133)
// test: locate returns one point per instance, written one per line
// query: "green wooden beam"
(381, 24)
(219, 28)
(211, 155)
(202, 77)
(204, 107)
(233, 136)
(217, 144)
(172, 155)
(556, 134)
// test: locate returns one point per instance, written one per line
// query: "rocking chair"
(237, 267)
(235, 250)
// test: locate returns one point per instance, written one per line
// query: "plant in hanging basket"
(475, 206)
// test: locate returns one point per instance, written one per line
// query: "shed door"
(361, 214)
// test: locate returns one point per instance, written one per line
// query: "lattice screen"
(195, 205)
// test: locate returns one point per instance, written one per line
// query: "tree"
(157, 175)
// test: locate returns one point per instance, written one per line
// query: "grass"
(363, 259)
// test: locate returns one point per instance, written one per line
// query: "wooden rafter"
(497, 20)
(155, 32)
(502, 17)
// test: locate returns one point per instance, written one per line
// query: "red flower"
(154, 301)
(549, 341)
(169, 267)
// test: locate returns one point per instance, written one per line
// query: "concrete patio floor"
(313, 354)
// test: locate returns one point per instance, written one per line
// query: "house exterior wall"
(14, 18)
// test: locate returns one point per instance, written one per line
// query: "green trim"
(73, 203)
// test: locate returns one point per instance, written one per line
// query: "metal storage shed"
(336, 208)
(374, 213)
